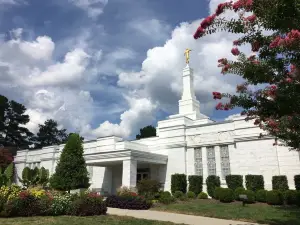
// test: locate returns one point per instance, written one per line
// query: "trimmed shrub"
(166, 198)
(274, 197)
(298, 198)
(190, 194)
(280, 183)
(226, 195)
(195, 184)
(148, 187)
(217, 191)
(237, 192)
(261, 196)
(234, 181)
(297, 182)
(250, 196)
(255, 182)
(60, 204)
(178, 183)
(178, 194)
(212, 182)
(290, 197)
(203, 195)
(127, 202)
(88, 205)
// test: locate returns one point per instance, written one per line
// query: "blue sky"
(107, 67)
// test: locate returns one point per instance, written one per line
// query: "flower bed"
(15, 202)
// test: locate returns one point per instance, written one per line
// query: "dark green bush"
(261, 195)
(166, 198)
(298, 198)
(290, 197)
(255, 182)
(237, 192)
(234, 181)
(190, 194)
(226, 195)
(280, 183)
(217, 192)
(297, 182)
(178, 183)
(147, 187)
(178, 194)
(274, 197)
(212, 182)
(127, 202)
(87, 206)
(203, 195)
(250, 196)
(195, 184)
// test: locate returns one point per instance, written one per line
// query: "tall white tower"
(189, 106)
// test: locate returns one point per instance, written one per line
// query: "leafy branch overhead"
(274, 63)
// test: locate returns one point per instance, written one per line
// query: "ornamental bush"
(127, 202)
(237, 192)
(147, 187)
(71, 172)
(27, 205)
(261, 196)
(195, 184)
(274, 197)
(202, 195)
(291, 197)
(190, 195)
(226, 195)
(88, 205)
(280, 183)
(166, 198)
(61, 204)
(255, 182)
(234, 181)
(178, 194)
(297, 182)
(178, 183)
(217, 192)
(250, 196)
(212, 182)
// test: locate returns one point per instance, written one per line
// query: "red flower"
(208, 21)
(235, 51)
(256, 122)
(199, 33)
(288, 80)
(225, 68)
(223, 61)
(236, 42)
(251, 19)
(275, 42)
(217, 95)
(255, 46)
(221, 7)
(246, 4)
(24, 194)
(219, 106)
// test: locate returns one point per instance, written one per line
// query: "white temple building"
(189, 143)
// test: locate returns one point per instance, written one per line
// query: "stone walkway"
(174, 217)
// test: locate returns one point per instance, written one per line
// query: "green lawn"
(72, 220)
(260, 213)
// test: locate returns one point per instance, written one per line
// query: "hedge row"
(179, 183)
(274, 197)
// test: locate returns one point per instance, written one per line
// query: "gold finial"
(187, 55)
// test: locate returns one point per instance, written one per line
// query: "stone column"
(129, 173)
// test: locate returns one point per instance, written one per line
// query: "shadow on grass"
(291, 216)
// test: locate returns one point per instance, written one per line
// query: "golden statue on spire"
(187, 55)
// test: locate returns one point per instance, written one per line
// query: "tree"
(148, 131)
(49, 134)
(273, 68)
(71, 172)
(6, 157)
(12, 121)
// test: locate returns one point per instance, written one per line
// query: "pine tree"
(71, 172)
(12, 119)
